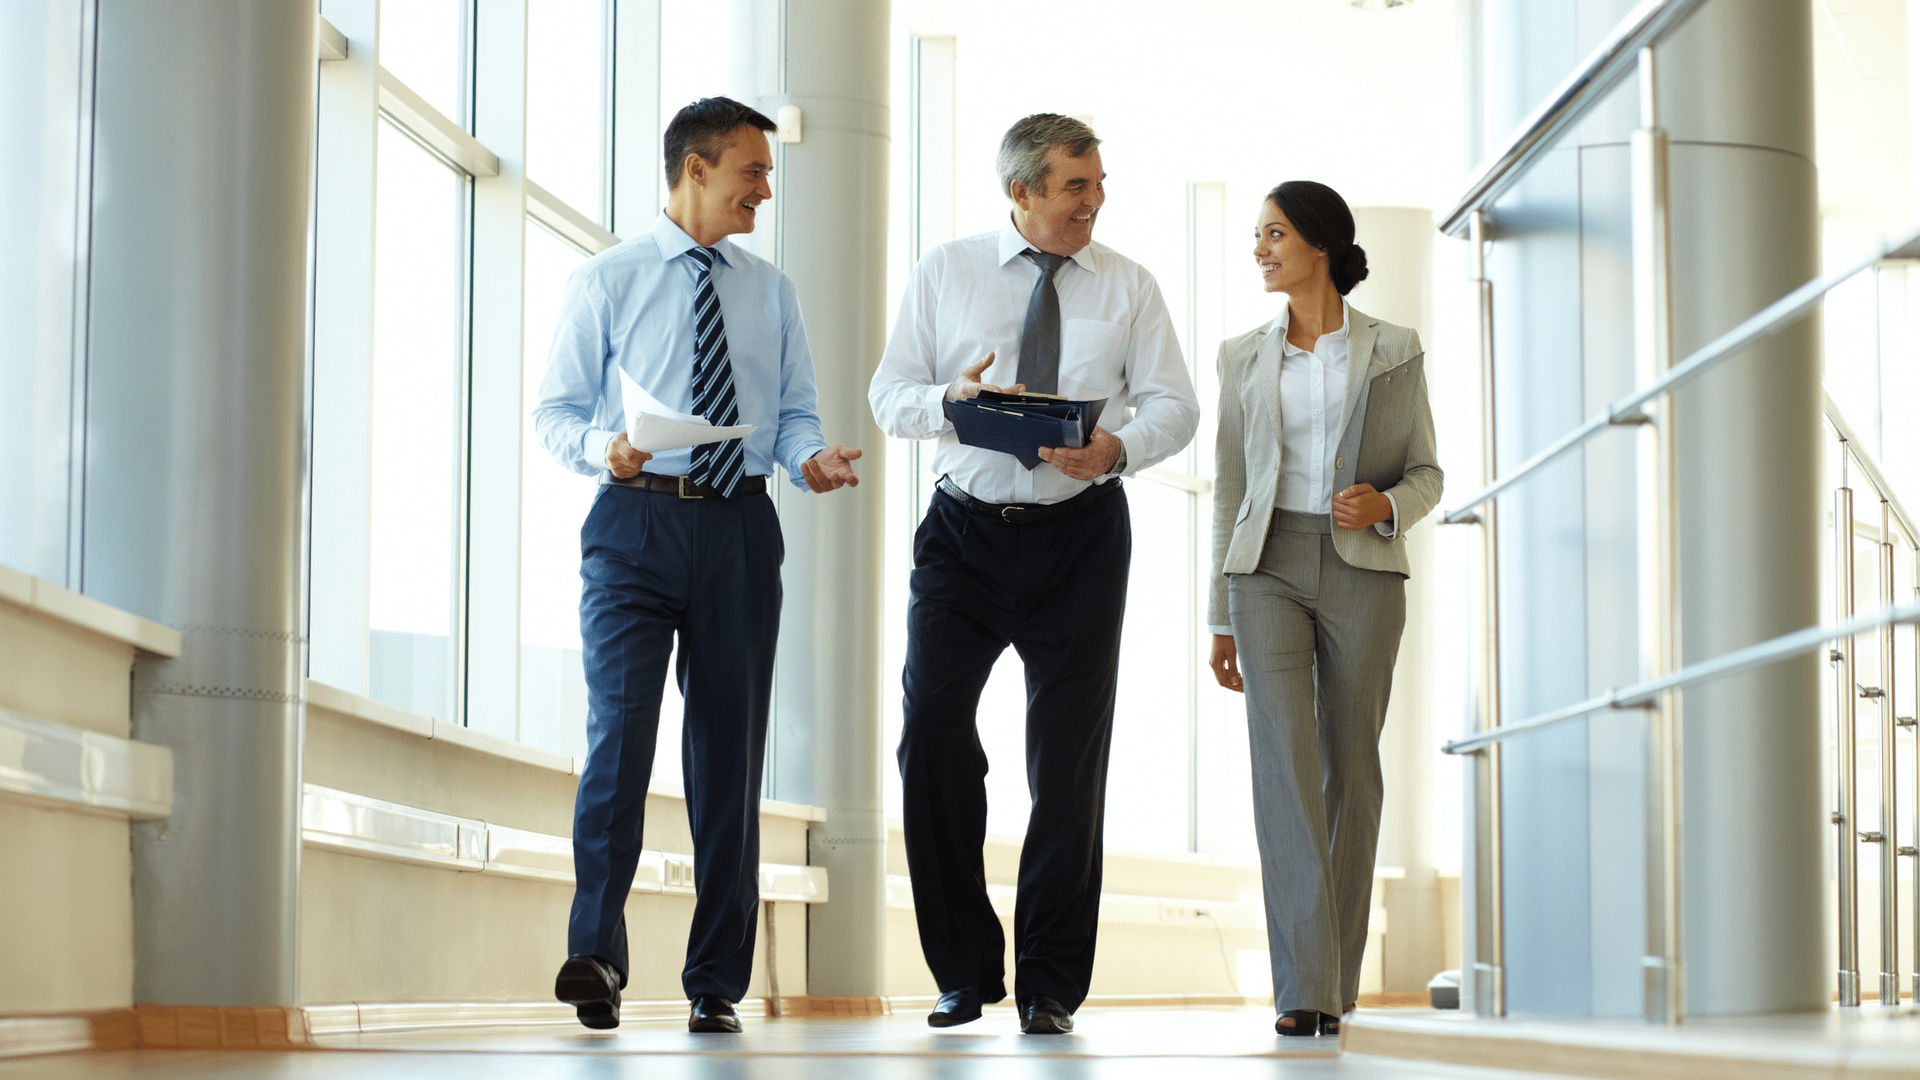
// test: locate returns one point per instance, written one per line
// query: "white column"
(1737, 95)
(196, 478)
(1399, 246)
(829, 57)
(496, 415)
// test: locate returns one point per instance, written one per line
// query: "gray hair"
(1023, 153)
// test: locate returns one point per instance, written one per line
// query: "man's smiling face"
(737, 184)
(1060, 219)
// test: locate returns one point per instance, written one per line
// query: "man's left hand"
(1360, 506)
(1091, 461)
(831, 469)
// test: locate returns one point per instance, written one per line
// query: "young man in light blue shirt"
(681, 542)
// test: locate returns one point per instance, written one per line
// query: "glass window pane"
(424, 43)
(418, 345)
(566, 107)
(553, 505)
(1147, 776)
(689, 73)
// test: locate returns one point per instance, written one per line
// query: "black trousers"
(653, 566)
(1055, 590)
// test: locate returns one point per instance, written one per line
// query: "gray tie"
(1040, 335)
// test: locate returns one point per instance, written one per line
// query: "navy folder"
(1020, 424)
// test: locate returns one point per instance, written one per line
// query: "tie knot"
(1047, 262)
(704, 256)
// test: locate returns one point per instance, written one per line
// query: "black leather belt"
(1025, 513)
(685, 488)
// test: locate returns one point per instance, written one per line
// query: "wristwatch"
(1119, 463)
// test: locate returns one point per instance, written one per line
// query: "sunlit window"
(418, 347)
(566, 101)
(553, 505)
(424, 43)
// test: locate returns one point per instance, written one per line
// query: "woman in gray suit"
(1325, 458)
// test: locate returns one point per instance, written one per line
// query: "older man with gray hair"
(1027, 553)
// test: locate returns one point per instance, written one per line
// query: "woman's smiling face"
(1285, 260)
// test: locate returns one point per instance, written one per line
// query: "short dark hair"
(706, 128)
(1322, 219)
(1024, 149)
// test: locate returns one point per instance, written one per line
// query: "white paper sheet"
(652, 427)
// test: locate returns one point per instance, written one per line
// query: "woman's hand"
(1360, 506)
(1225, 662)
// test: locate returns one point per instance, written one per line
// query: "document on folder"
(1020, 424)
(653, 428)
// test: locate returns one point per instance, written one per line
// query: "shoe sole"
(714, 1026)
(606, 1021)
(582, 984)
(1047, 1025)
(947, 1020)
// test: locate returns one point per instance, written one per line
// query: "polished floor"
(1109, 1044)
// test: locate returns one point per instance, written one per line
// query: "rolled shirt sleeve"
(907, 392)
(799, 438)
(1166, 413)
(570, 391)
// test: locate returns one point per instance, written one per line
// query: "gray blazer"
(1388, 442)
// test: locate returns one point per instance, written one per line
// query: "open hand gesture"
(969, 384)
(831, 469)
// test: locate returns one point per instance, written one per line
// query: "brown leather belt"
(685, 488)
(1025, 513)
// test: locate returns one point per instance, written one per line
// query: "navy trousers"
(653, 565)
(1055, 590)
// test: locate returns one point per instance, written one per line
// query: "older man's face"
(1060, 220)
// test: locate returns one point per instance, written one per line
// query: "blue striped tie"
(718, 465)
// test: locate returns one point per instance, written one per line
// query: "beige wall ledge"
(352, 706)
(34, 594)
(43, 763)
(357, 825)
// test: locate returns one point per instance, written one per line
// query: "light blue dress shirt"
(631, 307)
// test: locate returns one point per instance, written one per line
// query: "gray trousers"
(1316, 640)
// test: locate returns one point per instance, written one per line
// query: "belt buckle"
(680, 489)
(1007, 512)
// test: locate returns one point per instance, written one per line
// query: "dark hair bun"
(1351, 271)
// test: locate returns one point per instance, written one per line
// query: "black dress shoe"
(1041, 1015)
(956, 1007)
(592, 987)
(713, 1013)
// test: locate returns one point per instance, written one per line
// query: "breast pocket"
(1093, 354)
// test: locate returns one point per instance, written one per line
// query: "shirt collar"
(674, 241)
(1012, 244)
(1281, 320)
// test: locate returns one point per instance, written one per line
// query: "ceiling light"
(1379, 5)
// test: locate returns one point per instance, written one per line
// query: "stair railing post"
(1489, 959)
(1659, 569)
(1845, 755)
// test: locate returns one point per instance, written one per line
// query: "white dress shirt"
(968, 298)
(1313, 404)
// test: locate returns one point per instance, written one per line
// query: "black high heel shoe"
(1330, 1025)
(1305, 1022)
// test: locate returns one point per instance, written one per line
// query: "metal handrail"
(1767, 320)
(1639, 694)
(1602, 70)
(1872, 469)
